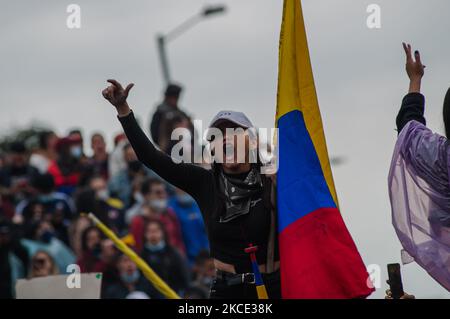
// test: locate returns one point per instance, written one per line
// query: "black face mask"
(97, 250)
(134, 166)
(47, 236)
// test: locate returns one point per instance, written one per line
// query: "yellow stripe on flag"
(296, 89)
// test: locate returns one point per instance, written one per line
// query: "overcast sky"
(54, 75)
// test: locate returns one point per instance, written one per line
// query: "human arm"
(413, 105)
(189, 177)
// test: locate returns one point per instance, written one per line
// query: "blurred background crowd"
(48, 184)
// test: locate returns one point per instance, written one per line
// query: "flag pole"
(260, 287)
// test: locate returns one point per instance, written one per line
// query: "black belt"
(235, 279)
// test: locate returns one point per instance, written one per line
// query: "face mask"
(97, 250)
(47, 236)
(103, 194)
(130, 279)
(184, 200)
(138, 197)
(158, 204)
(76, 151)
(156, 247)
(134, 166)
(44, 199)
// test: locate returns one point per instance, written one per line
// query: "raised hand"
(117, 95)
(414, 68)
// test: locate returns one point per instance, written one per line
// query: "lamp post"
(162, 40)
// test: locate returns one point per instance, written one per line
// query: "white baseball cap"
(237, 118)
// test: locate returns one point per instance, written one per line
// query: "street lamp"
(161, 40)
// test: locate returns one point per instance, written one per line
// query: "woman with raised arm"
(419, 185)
(236, 201)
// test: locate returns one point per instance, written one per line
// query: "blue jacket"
(192, 227)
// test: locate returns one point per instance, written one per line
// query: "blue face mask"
(76, 151)
(156, 247)
(185, 199)
(130, 279)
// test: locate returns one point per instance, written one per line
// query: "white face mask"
(103, 194)
(158, 204)
(156, 247)
(138, 197)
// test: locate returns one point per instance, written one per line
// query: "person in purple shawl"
(419, 176)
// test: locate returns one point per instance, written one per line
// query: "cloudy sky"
(54, 75)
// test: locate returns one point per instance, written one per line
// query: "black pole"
(161, 43)
(176, 32)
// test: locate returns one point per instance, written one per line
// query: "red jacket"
(60, 179)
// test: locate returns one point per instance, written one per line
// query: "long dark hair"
(84, 236)
(446, 113)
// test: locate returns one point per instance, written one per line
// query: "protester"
(155, 205)
(78, 145)
(90, 259)
(67, 168)
(46, 153)
(75, 230)
(419, 185)
(97, 199)
(120, 185)
(16, 175)
(233, 221)
(97, 164)
(41, 236)
(163, 258)
(47, 204)
(42, 265)
(116, 161)
(43, 227)
(167, 116)
(191, 222)
(130, 280)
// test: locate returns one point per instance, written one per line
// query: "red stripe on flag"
(321, 259)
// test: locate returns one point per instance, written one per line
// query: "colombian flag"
(318, 256)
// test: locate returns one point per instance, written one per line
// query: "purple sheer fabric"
(419, 191)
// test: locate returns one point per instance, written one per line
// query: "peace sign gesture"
(414, 67)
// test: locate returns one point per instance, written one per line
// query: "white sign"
(56, 287)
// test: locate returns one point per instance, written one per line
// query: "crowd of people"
(45, 192)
